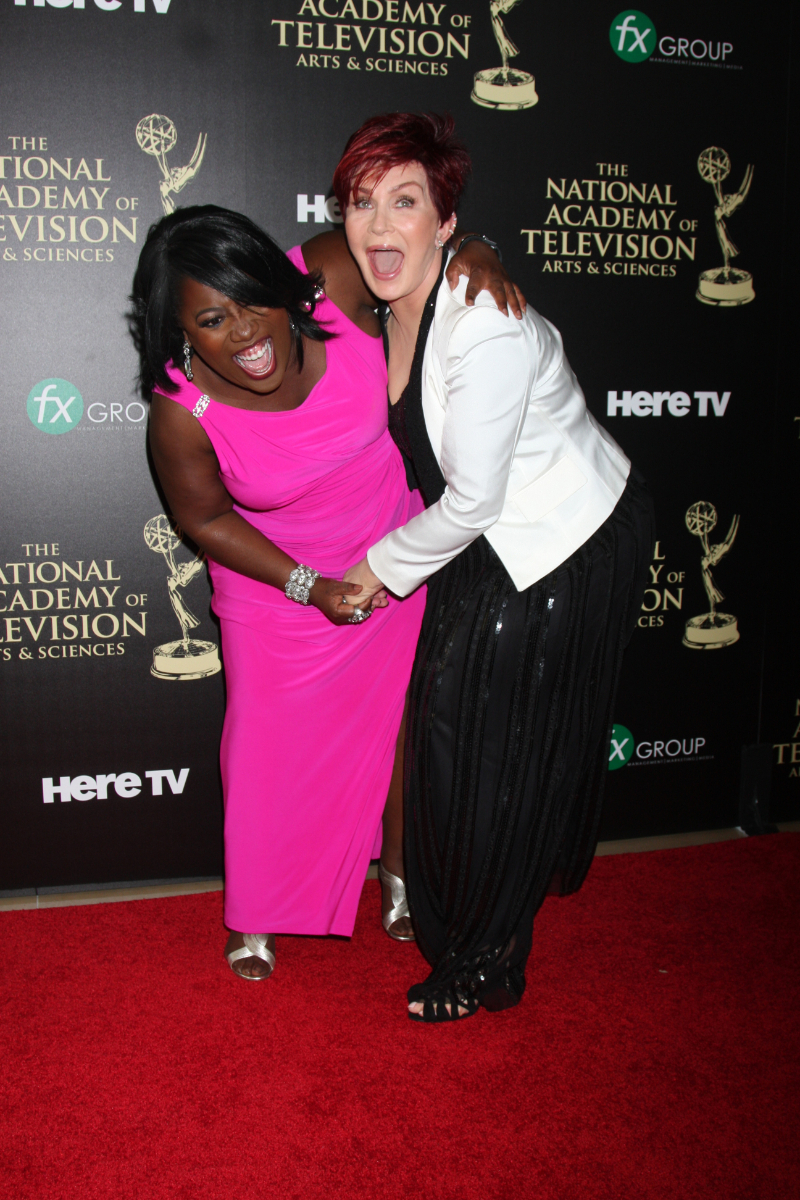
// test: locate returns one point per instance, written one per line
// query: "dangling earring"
(292, 327)
(187, 361)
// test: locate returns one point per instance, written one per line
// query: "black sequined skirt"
(510, 715)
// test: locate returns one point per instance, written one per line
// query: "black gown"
(508, 731)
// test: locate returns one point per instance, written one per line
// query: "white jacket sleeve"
(487, 378)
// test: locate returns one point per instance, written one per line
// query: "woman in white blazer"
(534, 543)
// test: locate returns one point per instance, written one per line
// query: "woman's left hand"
(485, 272)
(372, 589)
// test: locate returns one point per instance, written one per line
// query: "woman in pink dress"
(271, 443)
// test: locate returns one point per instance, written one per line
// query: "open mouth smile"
(257, 360)
(386, 262)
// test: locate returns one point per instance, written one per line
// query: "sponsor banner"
(633, 403)
(626, 751)
(107, 6)
(787, 754)
(665, 586)
(56, 406)
(55, 607)
(57, 206)
(381, 36)
(629, 163)
(613, 221)
(634, 39)
(663, 593)
(125, 783)
(611, 225)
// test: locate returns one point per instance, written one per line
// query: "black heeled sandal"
(502, 990)
(495, 989)
(436, 999)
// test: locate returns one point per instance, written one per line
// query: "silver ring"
(358, 616)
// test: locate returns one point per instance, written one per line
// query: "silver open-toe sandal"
(255, 946)
(399, 904)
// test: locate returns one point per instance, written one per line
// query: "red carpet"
(654, 1053)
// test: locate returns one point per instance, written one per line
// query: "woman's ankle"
(393, 863)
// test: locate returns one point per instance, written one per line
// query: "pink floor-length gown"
(313, 708)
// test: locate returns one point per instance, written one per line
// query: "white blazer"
(525, 463)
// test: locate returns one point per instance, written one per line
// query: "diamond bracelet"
(300, 583)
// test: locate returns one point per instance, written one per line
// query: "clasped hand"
(337, 598)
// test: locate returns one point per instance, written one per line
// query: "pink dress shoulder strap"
(187, 393)
(295, 256)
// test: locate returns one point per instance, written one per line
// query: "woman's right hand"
(326, 595)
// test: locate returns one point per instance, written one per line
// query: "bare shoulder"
(186, 464)
(329, 253)
(173, 429)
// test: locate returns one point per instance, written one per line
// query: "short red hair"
(394, 139)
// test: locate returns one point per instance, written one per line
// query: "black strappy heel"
(436, 999)
(503, 989)
(494, 989)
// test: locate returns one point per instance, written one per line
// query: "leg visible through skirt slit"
(506, 752)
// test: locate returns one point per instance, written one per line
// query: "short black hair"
(226, 251)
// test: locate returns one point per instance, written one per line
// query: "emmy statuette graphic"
(712, 630)
(157, 135)
(725, 286)
(187, 658)
(503, 87)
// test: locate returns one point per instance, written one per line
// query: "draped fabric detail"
(304, 779)
(508, 731)
(509, 726)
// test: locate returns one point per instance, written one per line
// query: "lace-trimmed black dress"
(507, 737)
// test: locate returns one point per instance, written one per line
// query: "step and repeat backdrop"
(632, 167)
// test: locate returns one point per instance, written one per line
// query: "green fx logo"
(621, 747)
(632, 36)
(55, 406)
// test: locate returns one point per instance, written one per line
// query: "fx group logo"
(55, 406)
(632, 36)
(623, 749)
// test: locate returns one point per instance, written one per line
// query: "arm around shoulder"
(329, 253)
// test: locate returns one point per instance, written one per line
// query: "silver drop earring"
(187, 361)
